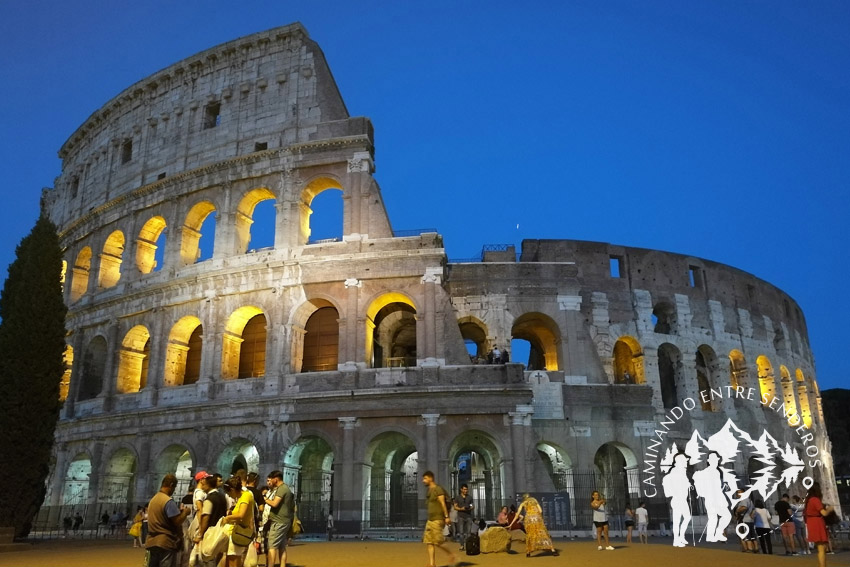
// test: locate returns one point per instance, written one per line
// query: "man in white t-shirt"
(642, 516)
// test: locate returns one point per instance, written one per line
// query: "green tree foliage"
(32, 344)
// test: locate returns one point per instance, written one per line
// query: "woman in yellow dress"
(536, 535)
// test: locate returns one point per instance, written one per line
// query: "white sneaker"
(609, 548)
(599, 548)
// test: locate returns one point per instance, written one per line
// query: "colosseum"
(356, 363)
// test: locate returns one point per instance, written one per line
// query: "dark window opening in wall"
(126, 151)
(615, 265)
(261, 146)
(787, 308)
(75, 186)
(694, 276)
(751, 293)
(160, 176)
(664, 318)
(212, 115)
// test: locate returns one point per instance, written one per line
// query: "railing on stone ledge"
(413, 232)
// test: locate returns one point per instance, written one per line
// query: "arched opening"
(133, 359)
(391, 332)
(308, 470)
(474, 334)
(544, 337)
(475, 459)
(520, 351)
(198, 239)
(183, 352)
(628, 361)
(392, 483)
(93, 367)
(737, 368)
(664, 318)
(559, 467)
(110, 260)
(767, 382)
(150, 244)
(117, 485)
(244, 349)
(240, 454)
(788, 399)
(803, 395)
(617, 477)
(321, 211)
(255, 220)
(321, 340)
(65, 381)
(175, 459)
(670, 372)
(708, 374)
(80, 276)
(76, 489)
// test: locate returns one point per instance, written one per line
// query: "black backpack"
(473, 544)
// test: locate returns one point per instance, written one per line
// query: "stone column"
(360, 169)
(58, 483)
(431, 279)
(110, 370)
(76, 375)
(226, 240)
(430, 421)
(573, 360)
(94, 482)
(143, 490)
(348, 498)
(156, 366)
(352, 335)
(520, 421)
(653, 378)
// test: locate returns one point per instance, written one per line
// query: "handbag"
(215, 541)
(242, 536)
(135, 529)
(297, 527)
(831, 519)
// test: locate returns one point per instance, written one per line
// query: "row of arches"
(254, 223)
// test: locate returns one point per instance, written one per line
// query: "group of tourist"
(255, 520)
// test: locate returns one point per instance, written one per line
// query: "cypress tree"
(32, 344)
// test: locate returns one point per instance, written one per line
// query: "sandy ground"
(371, 553)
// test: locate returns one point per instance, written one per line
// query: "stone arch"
(543, 335)
(110, 260)
(708, 376)
(133, 360)
(174, 459)
(670, 373)
(628, 358)
(559, 467)
(117, 483)
(190, 244)
(313, 188)
(93, 368)
(803, 396)
(391, 474)
(244, 349)
(239, 453)
(151, 238)
(475, 460)
(321, 339)
(80, 274)
(183, 352)
(391, 331)
(474, 334)
(767, 381)
(308, 468)
(789, 402)
(245, 216)
(617, 474)
(737, 368)
(65, 381)
(664, 318)
(77, 478)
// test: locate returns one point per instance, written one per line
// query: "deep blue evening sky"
(715, 129)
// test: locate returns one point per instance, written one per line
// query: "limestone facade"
(349, 364)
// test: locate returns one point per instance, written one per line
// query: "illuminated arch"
(803, 396)
(240, 453)
(133, 359)
(628, 358)
(183, 352)
(617, 474)
(76, 489)
(310, 191)
(147, 244)
(118, 481)
(392, 481)
(391, 331)
(110, 260)
(767, 382)
(308, 469)
(788, 399)
(321, 340)
(65, 381)
(543, 335)
(80, 274)
(93, 368)
(737, 369)
(190, 249)
(474, 333)
(245, 215)
(244, 349)
(177, 460)
(474, 458)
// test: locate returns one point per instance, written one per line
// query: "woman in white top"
(763, 529)
(600, 520)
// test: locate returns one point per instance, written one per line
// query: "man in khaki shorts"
(438, 518)
(281, 513)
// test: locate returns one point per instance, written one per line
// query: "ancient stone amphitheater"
(355, 363)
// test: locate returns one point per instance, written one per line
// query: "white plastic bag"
(215, 540)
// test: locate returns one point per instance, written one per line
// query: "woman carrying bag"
(242, 518)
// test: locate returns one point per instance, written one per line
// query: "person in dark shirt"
(786, 523)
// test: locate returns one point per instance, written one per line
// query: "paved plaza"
(371, 553)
